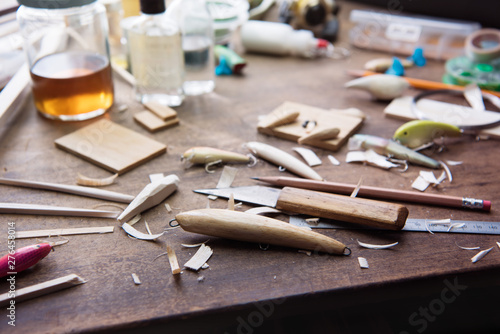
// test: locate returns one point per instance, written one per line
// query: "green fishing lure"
(421, 132)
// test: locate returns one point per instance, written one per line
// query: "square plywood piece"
(111, 146)
(324, 118)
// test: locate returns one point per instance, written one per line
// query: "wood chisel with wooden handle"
(249, 227)
(319, 204)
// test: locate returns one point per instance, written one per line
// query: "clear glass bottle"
(66, 43)
(198, 45)
(156, 58)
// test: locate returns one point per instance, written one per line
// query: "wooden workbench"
(425, 283)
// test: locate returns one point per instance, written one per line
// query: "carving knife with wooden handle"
(362, 211)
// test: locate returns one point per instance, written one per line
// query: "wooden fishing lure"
(284, 159)
(380, 86)
(417, 133)
(23, 258)
(208, 156)
(390, 147)
(248, 227)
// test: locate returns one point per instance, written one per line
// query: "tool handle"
(344, 208)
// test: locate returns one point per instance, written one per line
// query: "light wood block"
(111, 146)
(163, 112)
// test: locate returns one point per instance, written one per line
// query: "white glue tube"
(281, 39)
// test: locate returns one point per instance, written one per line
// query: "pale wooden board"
(111, 146)
(163, 112)
(324, 118)
(153, 123)
(400, 108)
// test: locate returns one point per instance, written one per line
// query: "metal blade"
(422, 225)
(259, 195)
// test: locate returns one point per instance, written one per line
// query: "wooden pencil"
(420, 83)
(379, 193)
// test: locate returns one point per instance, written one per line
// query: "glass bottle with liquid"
(198, 46)
(156, 58)
(67, 48)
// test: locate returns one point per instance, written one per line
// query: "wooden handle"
(344, 208)
(254, 228)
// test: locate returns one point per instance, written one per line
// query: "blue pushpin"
(396, 68)
(418, 57)
(223, 68)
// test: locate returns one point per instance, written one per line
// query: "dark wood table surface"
(424, 284)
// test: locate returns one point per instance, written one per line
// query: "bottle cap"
(54, 4)
(152, 6)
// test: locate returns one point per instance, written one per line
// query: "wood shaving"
(447, 170)
(334, 161)
(312, 221)
(172, 259)
(480, 255)
(205, 266)
(134, 220)
(194, 245)
(136, 279)
(230, 202)
(498, 243)
(63, 231)
(147, 227)
(372, 246)
(139, 235)
(467, 248)
(93, 182)
(263, 210)
(363, 263)
(454, 163)
(370, 157)
(308, 155)
(455, 225)
(169, 209)
(200, 258)
(356, 190)
(308, 253)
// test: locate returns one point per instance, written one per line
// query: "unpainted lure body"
(417, 133)
(284, 159)
(202, 155)
(390, 147)
(248, 227)
(23, 258)
(380, 86)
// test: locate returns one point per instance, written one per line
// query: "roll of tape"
(482, 46)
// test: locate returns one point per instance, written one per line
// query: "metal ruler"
(419, 225)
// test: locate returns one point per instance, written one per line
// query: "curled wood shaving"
(308, 155)
(135, 219)
(370, 157)
(356, 190)
(147, 227)
(363, 263)
(480, 255)
(372, 246)
(139, 235)
(87, 181)
(136, 279)
(194, 245)
(467, 248)
(307, 252)
(447, 170)
(172, 259)
(454, 163)
(200, 258)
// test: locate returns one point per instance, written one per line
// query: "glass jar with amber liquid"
(67, 49)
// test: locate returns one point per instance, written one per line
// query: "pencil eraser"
(486, 205)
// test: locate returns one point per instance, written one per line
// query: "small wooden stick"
(70, 189)
(49, 210)
(172, 259)
(63, 231)
(41, 289)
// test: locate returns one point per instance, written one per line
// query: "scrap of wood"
(363, 263)
(71, 189)
(63, 231)
(152, 194)
(138, 234)
(172, 259)
(50, 210)
(153, 123)
(163, 112)
(136, 279)
(199, 258)
(95, 182)
(347, 124)
(111, 146)
(41, 289)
